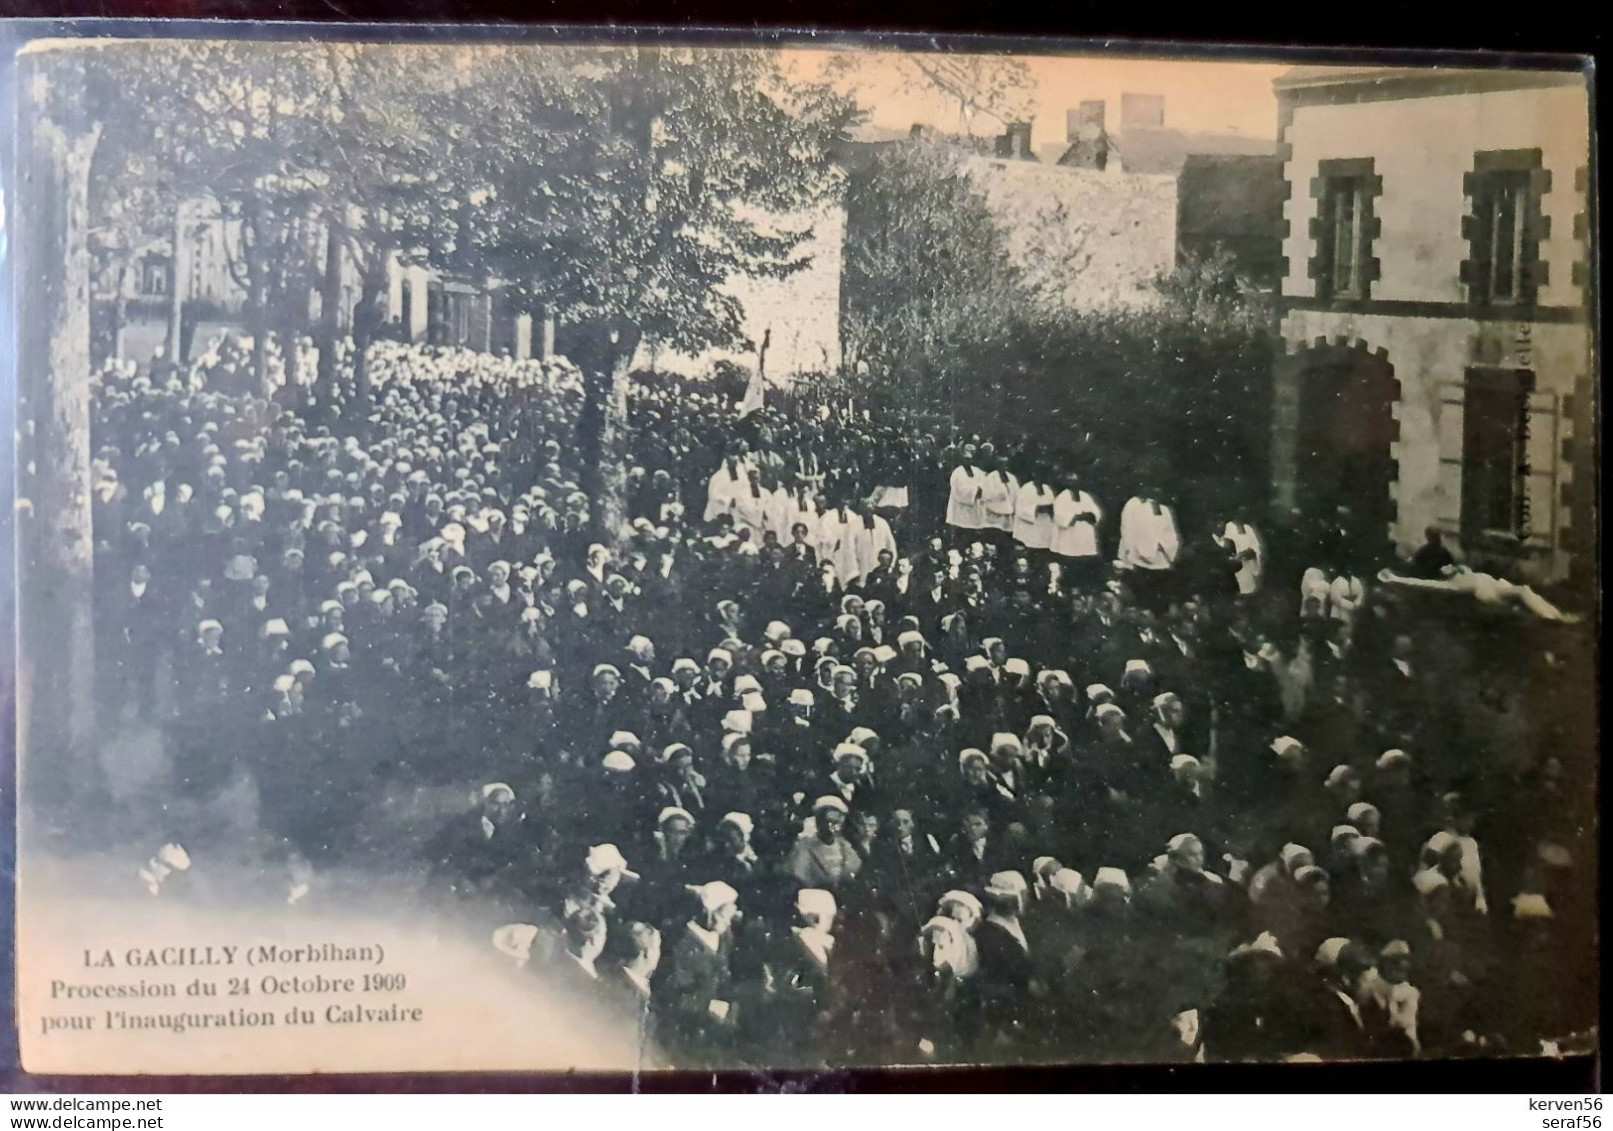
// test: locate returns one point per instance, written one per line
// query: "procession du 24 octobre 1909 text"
(238, 985)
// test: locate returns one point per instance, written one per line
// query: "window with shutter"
(1504, 226)
(1344, 228)
(1495, 467)
(1539, 469)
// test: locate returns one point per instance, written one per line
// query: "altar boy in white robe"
(1076, 516)
(1033, 516)
(998, 496)
(1246, 545)
(964, 509)
(1149, 544)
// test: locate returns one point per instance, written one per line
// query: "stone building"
(1436, 309)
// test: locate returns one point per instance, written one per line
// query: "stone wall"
(1120, 227)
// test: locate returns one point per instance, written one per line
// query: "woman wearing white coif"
(964, 509)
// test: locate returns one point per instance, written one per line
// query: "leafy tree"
(926, 265)
(644, 178)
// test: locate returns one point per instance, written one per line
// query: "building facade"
(1436, 309)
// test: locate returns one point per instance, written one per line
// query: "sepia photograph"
(650, 551)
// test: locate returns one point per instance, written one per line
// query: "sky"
(1200, 95)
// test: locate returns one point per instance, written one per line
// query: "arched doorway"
(1346, 427)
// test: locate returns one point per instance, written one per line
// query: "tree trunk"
(175, 343)
(367, 318)
(605, 356)
(258, 323)
(611, 500)
(330, 305)
(120, 312)
(56, 685)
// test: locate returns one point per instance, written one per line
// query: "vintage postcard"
(790, 553)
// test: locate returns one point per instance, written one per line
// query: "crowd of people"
(818, 739)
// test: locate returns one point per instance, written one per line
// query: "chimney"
(1089, 141)
(1142, 112)
(1085, 120)
(1016, 143)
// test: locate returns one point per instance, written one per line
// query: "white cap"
(1017, 666)
(740, 821)
(714, 895)
(1328, 953)
(815, 903)
(607, 858)
(672, 811)
(1093, 690)
(1111, 877)
(964, 898)
(515, 940)
(1006, 883)
(737, 721)
(1138, 667)
(970, 754)
(1003, 738)
(1428, 881)
(617, 761)
(1284, 745)
(801, 697)
(829, 801)
(1265, 943)
(909, 637)
(1530, 905)
(624, 738)
(1068, 881)
(497, 791)
(1393, 758)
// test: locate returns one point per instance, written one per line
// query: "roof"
(1164, 150)
(1421, 80)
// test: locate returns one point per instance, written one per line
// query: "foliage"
(926, 265)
